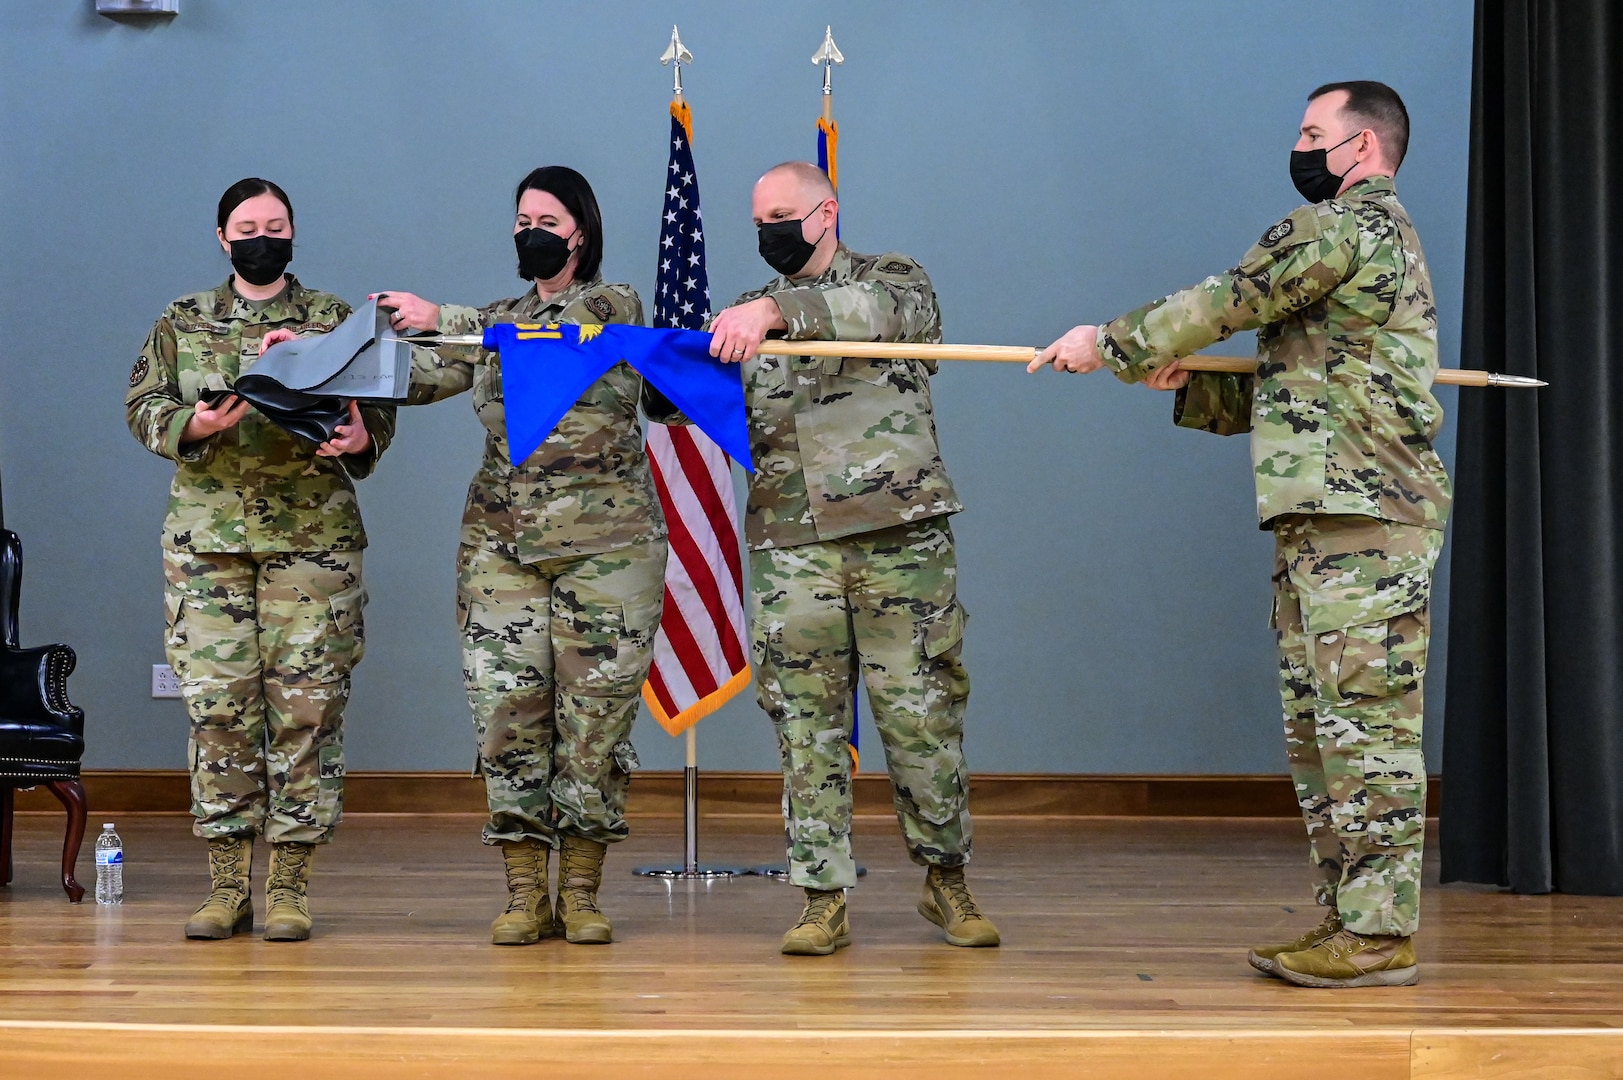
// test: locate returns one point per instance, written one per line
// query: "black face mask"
(541, 254)
(1310, 172)
(784, 246)
(260, 260)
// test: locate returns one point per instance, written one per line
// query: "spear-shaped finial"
(676, 54)
(828, 56)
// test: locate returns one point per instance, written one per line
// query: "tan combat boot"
(580, 872)
(1262, 957)
(229, 909)
(1345, 959)
(528, 917)
(287, 911)
(823, 926)
(949, 904)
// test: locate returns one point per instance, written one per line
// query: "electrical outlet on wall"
(164, 683)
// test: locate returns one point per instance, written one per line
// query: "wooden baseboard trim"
(659, 794)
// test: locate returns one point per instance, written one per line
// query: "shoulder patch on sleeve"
(1276, 233)
(601, 306)
(139, 371)
(894, 266)
(1304, 225)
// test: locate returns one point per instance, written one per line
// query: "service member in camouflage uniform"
(852, 564)
(560, 574)
(262, 554)
(1342, 423)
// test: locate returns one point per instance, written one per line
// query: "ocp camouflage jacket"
(845, 446)
(587, 489)
(252, 487)
(1340, 411)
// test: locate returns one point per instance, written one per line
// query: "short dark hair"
(1376, 106)
(245, 189)
(570, 188)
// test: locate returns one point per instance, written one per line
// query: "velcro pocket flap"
(944, 629)
(1395, 768)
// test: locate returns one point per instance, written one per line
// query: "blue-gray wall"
(1049, 162)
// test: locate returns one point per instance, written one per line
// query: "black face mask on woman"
(784, 246)
(260, 260)
(541, 253)
(1310, 172)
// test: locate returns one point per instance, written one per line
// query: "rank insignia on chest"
(1277, 233)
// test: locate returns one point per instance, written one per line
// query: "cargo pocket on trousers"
(174, 636)
(464, 612)
(1385, 659)
(940, 792)
(1396, 784)
(943, 629)
(941, 637)
(766, 646)
(588, 652)
(347, 638)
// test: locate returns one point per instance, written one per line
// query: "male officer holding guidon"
(851, 557)
(1342, 422)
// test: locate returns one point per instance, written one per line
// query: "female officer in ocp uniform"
(560, 573)
(262, 555)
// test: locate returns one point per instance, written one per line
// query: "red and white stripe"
(701, 656)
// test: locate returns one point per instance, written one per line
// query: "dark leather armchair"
(41, 732)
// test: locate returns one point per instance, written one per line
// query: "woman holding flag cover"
(560, 572)
(262, 554)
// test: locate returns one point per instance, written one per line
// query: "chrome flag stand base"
(690, 870)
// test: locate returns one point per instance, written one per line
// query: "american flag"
(700, 659)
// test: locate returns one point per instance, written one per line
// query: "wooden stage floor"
(1124, 955)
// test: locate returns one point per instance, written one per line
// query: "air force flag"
(546, 367)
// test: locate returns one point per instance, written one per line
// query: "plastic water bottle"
(109, 867)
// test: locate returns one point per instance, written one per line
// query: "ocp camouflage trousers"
(554, 655)
(1351, 598)
(263, 645)
(885, 601)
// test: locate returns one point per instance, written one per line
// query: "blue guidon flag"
(546, 367)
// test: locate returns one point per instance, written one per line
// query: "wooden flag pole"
(1021, 354)
(1013, 354)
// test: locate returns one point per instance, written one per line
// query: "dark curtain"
(1533, 735)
